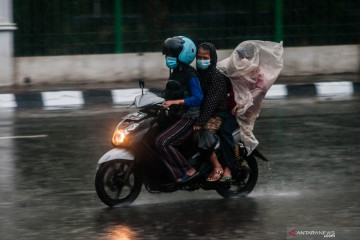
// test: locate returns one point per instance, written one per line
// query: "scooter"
(134, 162)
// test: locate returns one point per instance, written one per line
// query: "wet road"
(48, 160)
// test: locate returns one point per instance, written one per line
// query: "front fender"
(116, 153)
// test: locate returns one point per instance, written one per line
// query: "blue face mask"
(171, 62)
(203, 64)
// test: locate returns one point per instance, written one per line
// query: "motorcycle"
(134, 162)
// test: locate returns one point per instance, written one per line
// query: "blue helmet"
(181, 47)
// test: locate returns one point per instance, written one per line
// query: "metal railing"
(65, 27)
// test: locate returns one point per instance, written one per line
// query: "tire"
(244, 180)
(117, 183)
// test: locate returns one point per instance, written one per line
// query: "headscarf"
(208, 74)
(214, 87)
(252, 68)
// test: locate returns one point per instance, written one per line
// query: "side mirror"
(142, 85)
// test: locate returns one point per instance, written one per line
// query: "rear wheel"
(117, 183)
(244, 179)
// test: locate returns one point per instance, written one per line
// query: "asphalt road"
(48, 160)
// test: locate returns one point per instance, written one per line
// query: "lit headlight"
(120, 136)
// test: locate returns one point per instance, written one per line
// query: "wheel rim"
(241, 178)
(119, 181)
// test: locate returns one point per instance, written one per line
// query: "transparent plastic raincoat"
(252, 68)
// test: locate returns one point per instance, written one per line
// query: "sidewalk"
(124, 92)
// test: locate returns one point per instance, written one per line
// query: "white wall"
(77, 68)
(299, 61)
(90, 68)
(151, 66)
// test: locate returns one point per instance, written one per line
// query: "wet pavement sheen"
(48, 162)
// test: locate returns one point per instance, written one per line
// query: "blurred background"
(69, 27)
(107, 41)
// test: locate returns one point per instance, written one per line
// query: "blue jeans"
(227, 141)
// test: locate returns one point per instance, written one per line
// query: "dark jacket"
(184, 84)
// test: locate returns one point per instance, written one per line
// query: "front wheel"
(117, 183)
(244, 179)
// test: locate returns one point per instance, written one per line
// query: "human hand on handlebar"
(167, 104)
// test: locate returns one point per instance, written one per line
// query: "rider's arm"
(196, 93)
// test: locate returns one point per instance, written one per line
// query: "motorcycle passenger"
(215, 88)
(252, 68)
(183, 95)
(226, 138)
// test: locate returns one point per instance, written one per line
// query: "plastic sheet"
(253, 67)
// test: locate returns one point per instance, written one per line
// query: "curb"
(126, 96)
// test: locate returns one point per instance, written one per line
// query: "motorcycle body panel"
(116, 153)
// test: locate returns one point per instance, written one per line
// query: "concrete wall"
(127, 67)
(299, 61)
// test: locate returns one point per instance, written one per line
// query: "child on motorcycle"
(183, 95)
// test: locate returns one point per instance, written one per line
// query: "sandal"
(186, 177)
(212, 178)
(225, 179)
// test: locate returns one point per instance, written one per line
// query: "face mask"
(203, 64)
(171, 62)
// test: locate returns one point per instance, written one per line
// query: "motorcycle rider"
(183, 95)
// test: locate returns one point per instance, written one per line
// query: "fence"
(68, 27)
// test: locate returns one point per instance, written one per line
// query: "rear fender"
(256, 153)
(116, 153)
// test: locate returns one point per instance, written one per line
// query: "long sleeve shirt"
(196, 93)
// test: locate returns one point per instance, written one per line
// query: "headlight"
(118, 137)
(121, 135)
